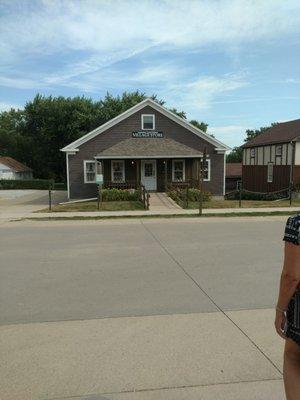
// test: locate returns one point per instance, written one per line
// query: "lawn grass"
(165, 216)
(245, 204)
(92, 206)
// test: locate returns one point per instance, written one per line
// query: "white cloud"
(7, 106)
(199, 94)
(232, 135)
(113, 30)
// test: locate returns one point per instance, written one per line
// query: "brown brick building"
(148, 145)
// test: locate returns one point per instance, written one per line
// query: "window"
(206, 176)
(178, 170)
(89, 171)
(278, 150)
(149, 171)
(270, 172)
(117, 171)
(148, 121)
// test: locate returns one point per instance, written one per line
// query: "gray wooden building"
(149, 145)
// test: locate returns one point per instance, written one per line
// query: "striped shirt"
(292, 232)
(292, 229)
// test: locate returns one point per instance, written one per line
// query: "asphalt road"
(131, 309)
(65, 271)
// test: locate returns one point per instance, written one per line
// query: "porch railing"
(145, 197)
(120, 185)
(144, 194)
(182, 192)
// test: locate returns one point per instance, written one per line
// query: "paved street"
(141, 309)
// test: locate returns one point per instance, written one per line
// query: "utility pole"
(201, 171)
(99, 181)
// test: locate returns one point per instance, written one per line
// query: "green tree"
(236, 155)
(200, 125)
(36, 134)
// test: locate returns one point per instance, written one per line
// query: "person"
(287, 320)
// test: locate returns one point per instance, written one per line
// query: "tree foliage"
(236, 155)
(36, 134)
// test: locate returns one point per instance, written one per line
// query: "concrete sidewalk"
(228, 356)
(21, 213)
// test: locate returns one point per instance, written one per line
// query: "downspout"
(293, 143)
(68, 181)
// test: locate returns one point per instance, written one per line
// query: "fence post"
(147, 201)
(240, 194)
(290, 193)
(187, 197)
(50, 198)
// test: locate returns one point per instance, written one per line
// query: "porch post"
(166, 175)
(138, 176)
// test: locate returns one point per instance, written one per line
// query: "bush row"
(256, 196)
(121, 194)
(38, 184)
(179, 195)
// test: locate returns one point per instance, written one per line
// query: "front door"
(148, 174)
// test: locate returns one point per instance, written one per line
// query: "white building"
(13, 169)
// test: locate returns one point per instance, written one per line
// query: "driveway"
(141, 309)
(18, 202)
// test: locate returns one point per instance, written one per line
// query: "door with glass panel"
(148, 174)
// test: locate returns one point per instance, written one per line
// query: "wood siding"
(254, 178)
(122, 131)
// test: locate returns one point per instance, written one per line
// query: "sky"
(234, 64)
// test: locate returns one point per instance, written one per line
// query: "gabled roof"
(147, 102)
(280, 133)
(233, 169)
(14, 164)
(147, 147)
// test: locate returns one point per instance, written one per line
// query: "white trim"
(84, 170)
(123, 170)
(224, 176)
(144, 178)
(183, 169)
(142, 122)
(144, 157)
(208, 170)
(268, 180)
(67, 173)
(147, 102)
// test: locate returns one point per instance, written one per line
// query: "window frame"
(270, 163)
(112, 171)
(142, 122)
(208, 170)
(183, 169)
(85, 170)
(278, 146)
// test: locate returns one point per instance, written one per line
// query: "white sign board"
(99, 179)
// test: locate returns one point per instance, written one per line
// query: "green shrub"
(120, 194)
(39, 184)
(257, 196)
(60, 186)
(193, 195)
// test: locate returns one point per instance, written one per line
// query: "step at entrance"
(162, 202)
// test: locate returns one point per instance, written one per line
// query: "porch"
(156, 174)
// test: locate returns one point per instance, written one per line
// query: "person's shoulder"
(292, 229)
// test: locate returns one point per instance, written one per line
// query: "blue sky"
(233, 64)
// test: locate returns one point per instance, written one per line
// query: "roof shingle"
(280, 133)
(14, 164)
(149, 147)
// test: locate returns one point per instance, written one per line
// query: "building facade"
(233, 176)
(13, 169)
(146, 145)
(271, 161)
